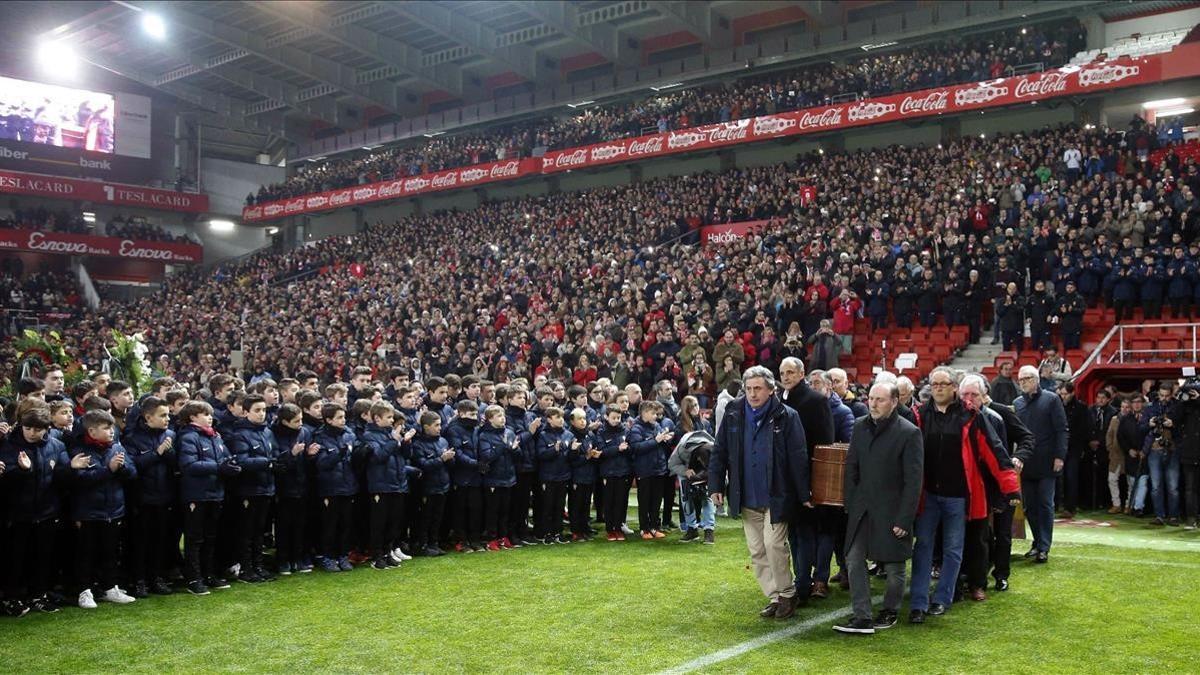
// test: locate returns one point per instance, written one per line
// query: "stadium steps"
(976, 357)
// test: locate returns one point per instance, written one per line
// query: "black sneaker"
(937, 609)
(708, 537)
(1031, 553)
(432, 552)
(380, 564)
(197, 587)
(140, 590)
(563, 539)
(15, 608)
(216, 583)
(885, 619)
(856, 627)
(916, 616)
(250, 577)
(692, 534)
(1042, 557)
(265, 574)
(160, 587)
(1002, 585)
(530, 541)
(549, 540)
(43, 605)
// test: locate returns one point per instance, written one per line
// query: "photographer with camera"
(1162, 458)
(1187, 447)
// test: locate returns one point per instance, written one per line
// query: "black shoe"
(43, 605)
(916, 616)
(432, 552)
(1002, 584)
(140, 590)
(550, 540)
(708, 537)
(885, 619)
(1031, 553)
(692, 534)
(937, 609)
(250, 577)
(266, 574)
(669, 526)
(15, 608)
(1042, 557)
(216, 583)
(197, 588)
(856, 627)
(529, 541)
(160, 587)
(563, 539)
(380, 564)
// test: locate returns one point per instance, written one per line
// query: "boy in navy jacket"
(204, 463)
(467, 494)
(526, 426)
(432, 455)
(647, 439)
(97, 469)
(150, 443)
(610, 441)
(29, 457)
(388, 449)
(583, 458)
(294, 452)
(336, 486)
(253, 447)
(497, 443)
(554, 446)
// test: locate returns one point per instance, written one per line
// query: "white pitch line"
(1100, 558)
(761, 641)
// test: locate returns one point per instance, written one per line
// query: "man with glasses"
(1042, 412)
(958, 442)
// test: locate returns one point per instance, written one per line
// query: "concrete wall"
(1156, 23)
(227, 183)
(221, 245)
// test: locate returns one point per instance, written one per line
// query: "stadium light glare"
(221, 225)
(272, 230)
(154, 26)
(579, 104)
(1164, 103)
(1171, 112)
(89, 217)
(666, 86)
(434, 134)
(59, 59)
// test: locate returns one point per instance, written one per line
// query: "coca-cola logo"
(472, 175)
(869, 110)
(647, 147)
(445, 180)
(576, 158)
(725, 133)
(252, 213)
(684, 139)
(606, 152)
(129, 249)
(391, 189)
(1046, 84)
(38, 242)
(341, 198)
(980, 94)
(506, 169)
(931, 102)
(829, 117)
(1107, 74)
(294, 206)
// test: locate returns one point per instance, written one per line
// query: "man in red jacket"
(845, 308)
(958, 444)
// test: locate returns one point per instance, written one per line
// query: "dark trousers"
(578, 508)
(649, 497)
(550, 520)
(1181, 308)
(468, 513)
(432, 507)
(522, 501)
(1191, 490)
(291, 535)
(598, 498)
(226, 550)
(1038, 496)
(802, 536)
(1152, 309)
(1002, 542)
(361, 516)
(495, 511)
(928, 318)
(616, 502)
(387, 518)
(668, 497)
(336, 515)
(860, 581)
(146, 541)
(878, 321)
(976, 555)
(904, 320)
(30, 557)
(201, 520)
(1013, 340)
(1071, 340)
(252, 519)
(1068, 481)
(96, 551)
(1124, 309)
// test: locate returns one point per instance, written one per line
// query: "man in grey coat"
(1042, 412)
(884, 471)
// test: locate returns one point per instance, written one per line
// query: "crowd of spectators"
(137, 227)
(43, 297)
(903, 233)
(73, 222)
(951, 61)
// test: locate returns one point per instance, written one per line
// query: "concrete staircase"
(977, 356)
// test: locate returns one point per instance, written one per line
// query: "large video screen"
(47, 114)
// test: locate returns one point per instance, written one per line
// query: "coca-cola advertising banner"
(62, 243)
(1067, 81)
(467, 176)
(99, 192)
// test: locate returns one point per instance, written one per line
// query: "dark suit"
(884, 472)
(817, 419)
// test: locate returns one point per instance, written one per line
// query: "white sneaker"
(234, 571)
(120, 597)
(400, 556)
(625, 529)
(394, 558)
(86, 601)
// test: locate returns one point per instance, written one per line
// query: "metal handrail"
(1122, 352)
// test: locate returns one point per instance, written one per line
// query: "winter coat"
(335, 473)
(553, 452)
(30, 495)
(1043, 414)
(990, 477)
(787, 466)
(816, 416)
(649, 456)
(97, 492)
(156, 484)
(614, 462)
(201, 461)
(253, 446)
(427, 456)
(518, 420)
(884, 472)
(583, 468)
(495, 456)
(387, 461)
(462, 436)
(292, 472)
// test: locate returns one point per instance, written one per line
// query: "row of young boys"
(128, 478)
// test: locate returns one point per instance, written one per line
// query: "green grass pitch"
(1113, 599)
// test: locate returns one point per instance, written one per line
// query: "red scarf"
(93, 442)
(207, 431)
